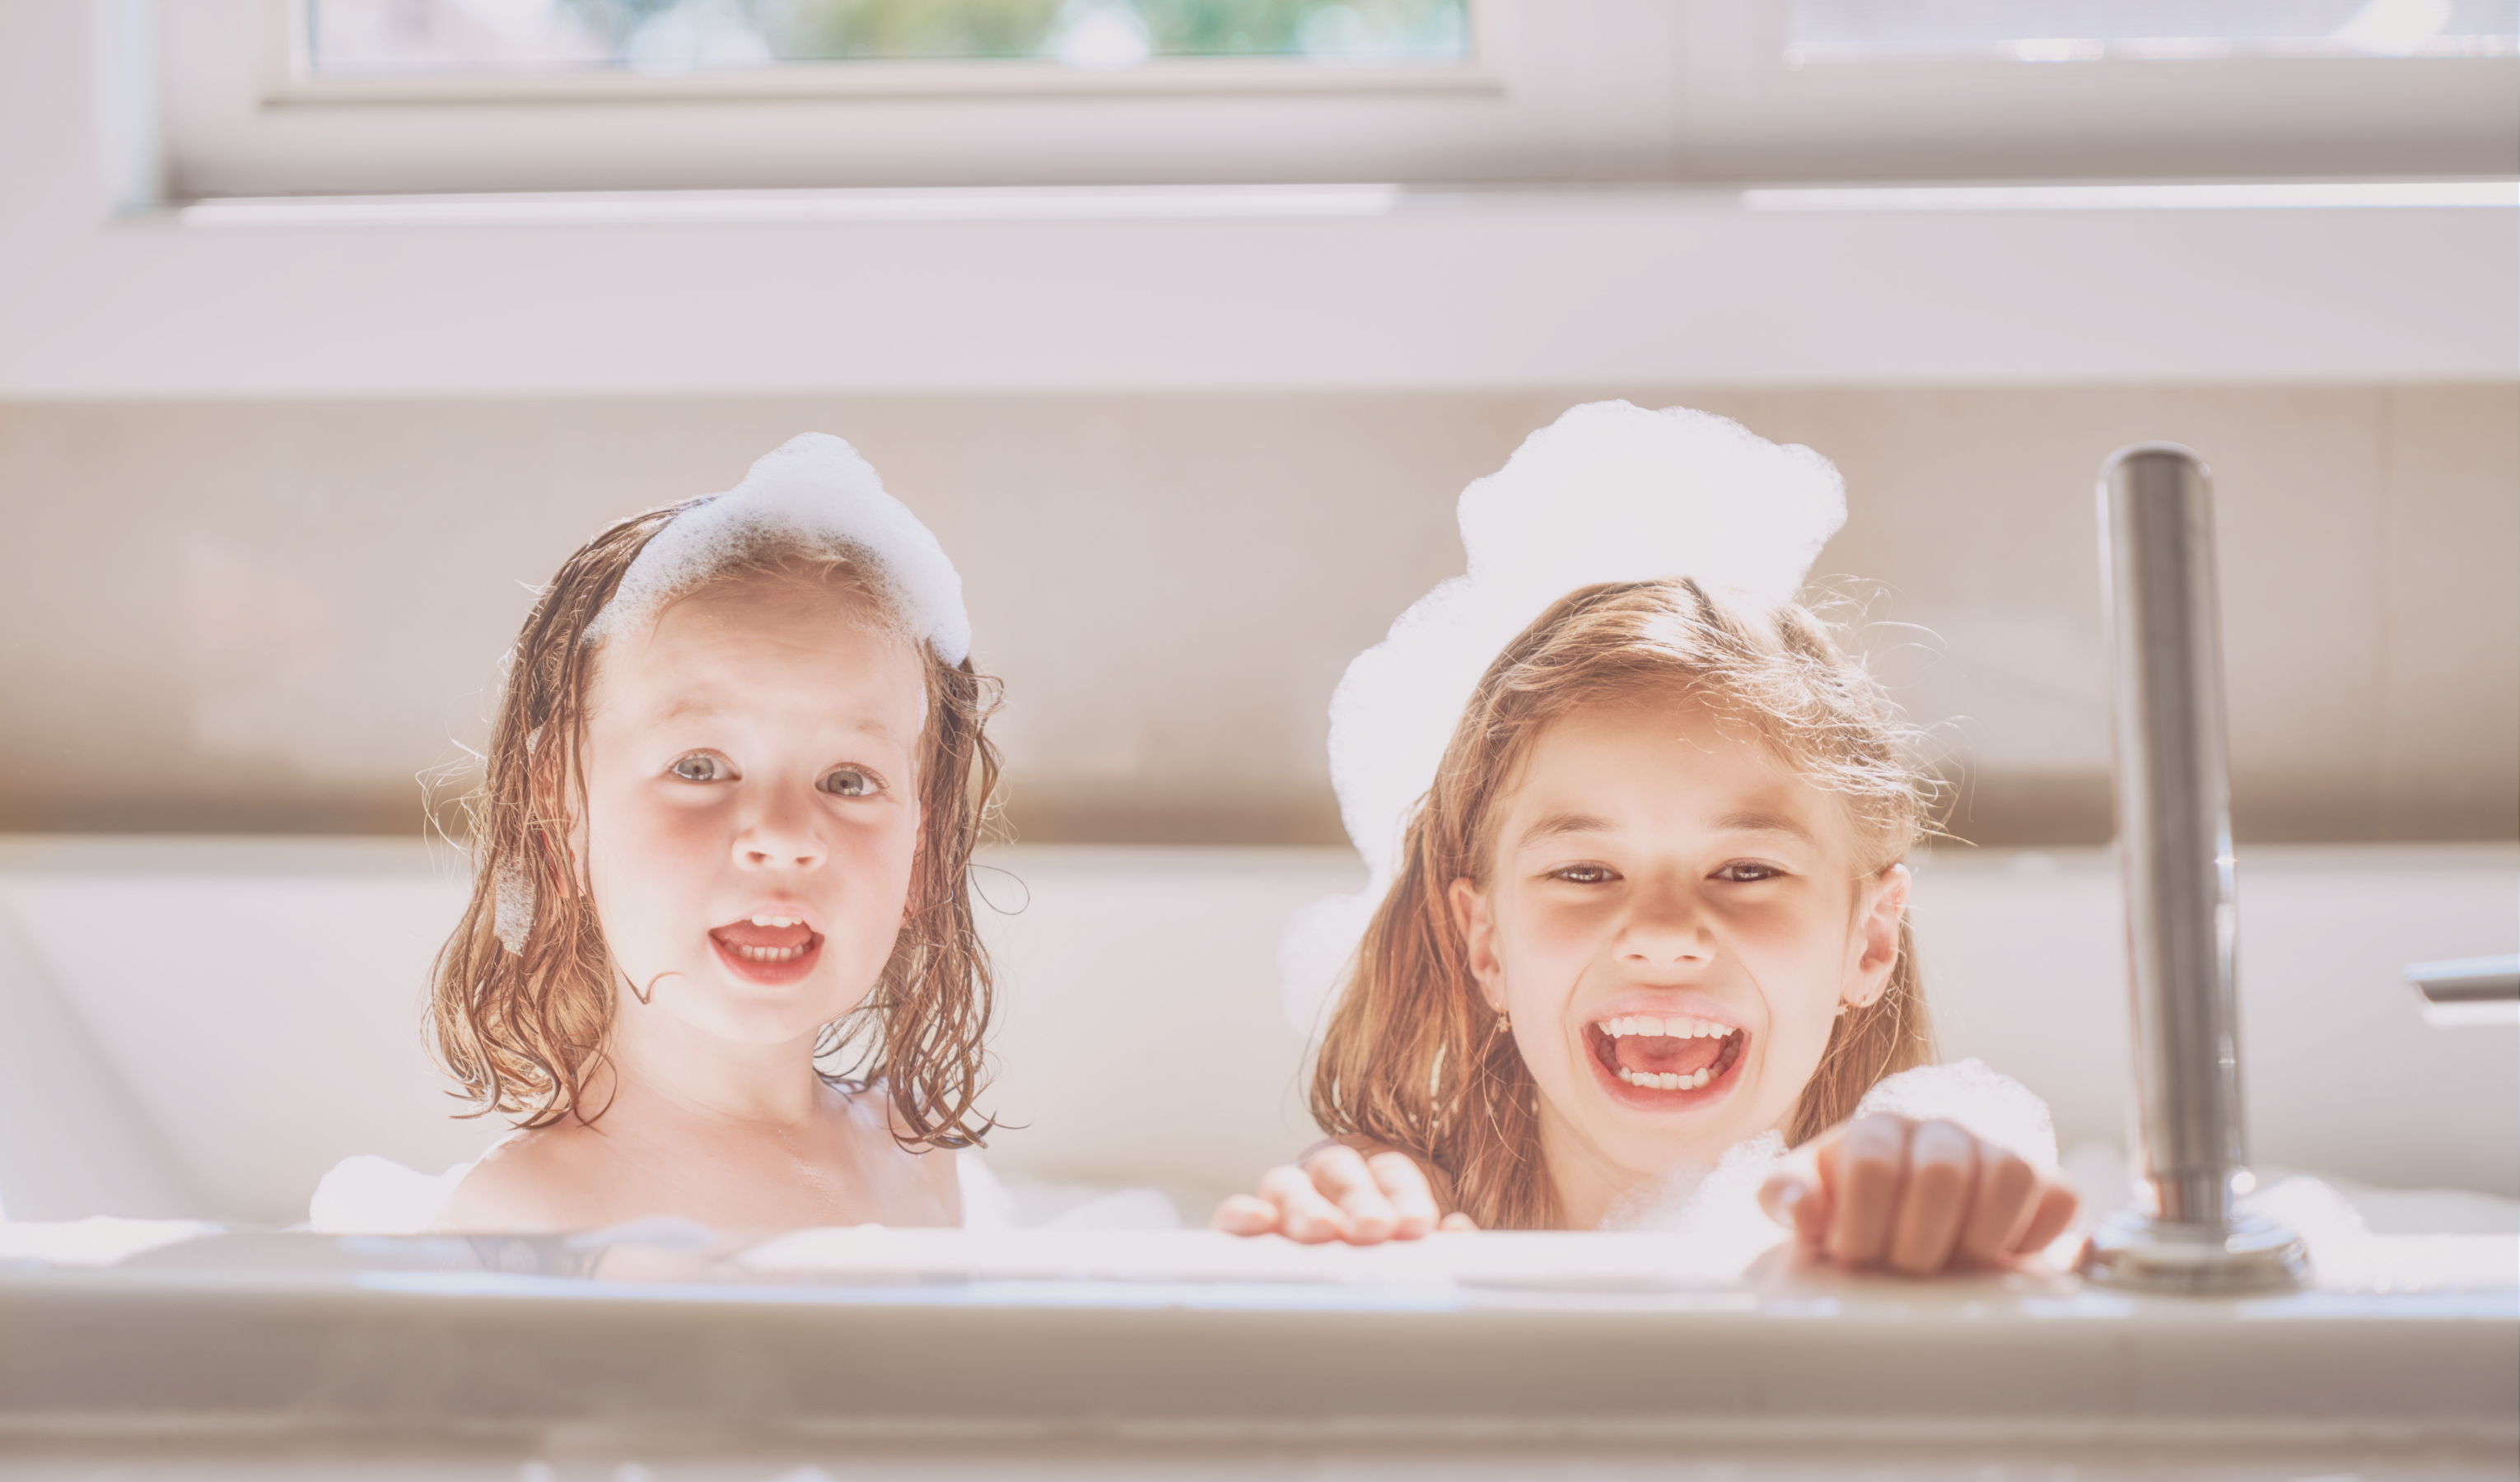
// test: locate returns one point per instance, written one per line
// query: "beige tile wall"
(277, 616)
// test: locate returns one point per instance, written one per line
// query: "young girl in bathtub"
(732, 792)
(1652, 915)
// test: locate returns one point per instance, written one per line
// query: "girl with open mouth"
(1653, 910)
(719, 962)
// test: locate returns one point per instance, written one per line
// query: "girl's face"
(1672, 919)
(751, 815)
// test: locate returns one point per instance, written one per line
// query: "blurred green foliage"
(835, 31)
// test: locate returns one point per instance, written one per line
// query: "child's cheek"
(1549, 933)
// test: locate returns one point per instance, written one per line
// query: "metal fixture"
(2173, 816)
(2468, 990)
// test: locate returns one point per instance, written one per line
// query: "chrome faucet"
(2187, 1232)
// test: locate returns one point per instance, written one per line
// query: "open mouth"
(1678, 1054)
(768, 948)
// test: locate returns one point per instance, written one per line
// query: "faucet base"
(2132, 1249)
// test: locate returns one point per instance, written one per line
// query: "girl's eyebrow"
(1551, 825)
(690, 705)
(1763, 823)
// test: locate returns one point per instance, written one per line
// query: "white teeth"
(1672, 1028)
(771, 954)
(777, 920)
(1668, 1080)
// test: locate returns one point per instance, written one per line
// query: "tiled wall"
(276, 616)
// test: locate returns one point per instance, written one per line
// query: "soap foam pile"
(815, 489)
(1609, 492)
(1717, 1209)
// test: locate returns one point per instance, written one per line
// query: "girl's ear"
(1478, 934)
(1883, 907)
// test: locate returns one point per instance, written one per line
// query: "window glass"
(423, 37)
(2074, 30)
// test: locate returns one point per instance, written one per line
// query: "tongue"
(746, 934)
(1660, 1053)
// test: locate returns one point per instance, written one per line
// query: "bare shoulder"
(930, 1174)
(523, 1183)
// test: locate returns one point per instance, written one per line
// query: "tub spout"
(2174, 820)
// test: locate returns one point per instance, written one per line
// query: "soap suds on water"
(1608, 492)
(815, 490)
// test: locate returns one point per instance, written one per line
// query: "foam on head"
(816, 495)
(1608, 492)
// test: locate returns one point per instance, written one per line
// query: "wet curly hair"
(523, 992)
(1411, 1059)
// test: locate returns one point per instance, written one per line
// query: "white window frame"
(1568, 91)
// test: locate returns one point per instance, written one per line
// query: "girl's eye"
(851, 782)
(1585, 874)
(1743, 873)
(700, 767)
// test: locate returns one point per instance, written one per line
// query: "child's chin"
(737, 1015)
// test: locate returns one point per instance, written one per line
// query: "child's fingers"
(1795, 1197)
(2057, 1205)
(2007, 1196)
(1862, 1170)
(1404, 1183)
(1458, 1223)
(1340, 1173)
(1243, 1215)
(1302, 1213)
(1933, 1198)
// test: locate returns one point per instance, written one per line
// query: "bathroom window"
(266, 98)
(523, 38)
(2092, 30)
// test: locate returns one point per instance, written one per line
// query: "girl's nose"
(781, 836)
(1666, 928)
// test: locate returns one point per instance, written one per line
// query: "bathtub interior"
(201, 1027)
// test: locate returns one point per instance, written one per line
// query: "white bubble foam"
(1608, 492)
(512, 914)
(816, 490)
(1718, 1210)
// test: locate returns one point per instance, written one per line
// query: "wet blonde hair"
(523, 996)
(1412, 1058)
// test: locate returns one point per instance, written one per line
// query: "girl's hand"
(1914, 1197)
(1338, 1194)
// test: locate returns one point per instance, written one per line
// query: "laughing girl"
(1652, 913)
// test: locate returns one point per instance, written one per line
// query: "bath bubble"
(1608, 492)
(512, 914)
(1717, 1209)
(814, 488)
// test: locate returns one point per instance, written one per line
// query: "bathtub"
(201, 1027)
(193, 1030)
(642, 1355)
